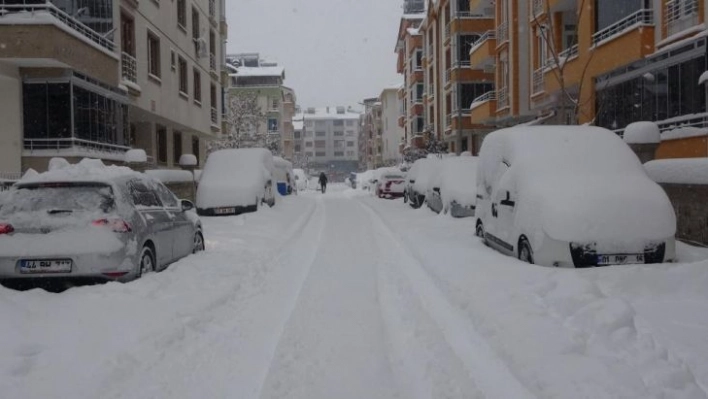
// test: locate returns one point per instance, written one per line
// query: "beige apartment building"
(392, 134)
(97, 80)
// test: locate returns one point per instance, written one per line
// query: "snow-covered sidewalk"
(346, 296)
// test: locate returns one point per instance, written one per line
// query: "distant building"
(330, 137)
(392, 133)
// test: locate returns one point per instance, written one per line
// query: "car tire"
(198, 243)
(525, 252)
(146, 263)
(405, 197)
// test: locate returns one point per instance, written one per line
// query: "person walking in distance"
(323, 182)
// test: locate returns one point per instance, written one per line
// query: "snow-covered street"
(346, 296)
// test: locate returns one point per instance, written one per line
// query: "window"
(161, 144)
(309, 154)
(350, 123)
(339, 153)
(320, 123)
(183, 80)
(298, 148)
(339, 144)
(195, 30)
(350, 153)
(321, 134)
(275, 104)
(169, 200)
(273, 125)
(418, 60)
(153, 55)
(608, 12)
(173, 60)
(47, 110)
(182, 14)
(419, 92)
(470, 91)
(308, 144)
(338, 122)
(127, 34)
(177, 147)
(338, 134)
(350, 144)
(466, 43)
(297, 135)
(197, 87)
(320, 144)
(308, 123)
(308, 134)
(142, 195)
(320, 154)
(213, 103)
(196, 148)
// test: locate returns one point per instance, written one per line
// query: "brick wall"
(691, 213)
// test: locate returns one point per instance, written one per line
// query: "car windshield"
(60, 198)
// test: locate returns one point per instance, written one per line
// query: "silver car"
(116, 228)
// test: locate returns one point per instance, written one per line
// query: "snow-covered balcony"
(44, 35)
(483, 108)
(483, 51)
(680, 15)
(640, 19)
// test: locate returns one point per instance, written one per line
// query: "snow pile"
(300, 179)
(678, 171)
(642, 133)
(30, 173)
(188, 160)
(171, 175)
(136, 156)
(58, 163)
(63, 242)
(458, 180)
(684, 132)
(86, 170)
(425, 172)
(235, 177)
(561, 190)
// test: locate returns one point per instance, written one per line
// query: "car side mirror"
(187, 205)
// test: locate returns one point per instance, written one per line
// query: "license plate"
(224, 211)
(603, 260)
(46, 266)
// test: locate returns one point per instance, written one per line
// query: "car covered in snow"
(91, 221)
(419, 180)
(390, 183)
(235, 181)
(570, 196)
(454, 188)
(301, 179)
(283, 176)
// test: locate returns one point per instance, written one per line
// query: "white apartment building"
(331, 134)
(392, 132)
(98, 79)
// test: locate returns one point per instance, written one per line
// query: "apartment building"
(96, 78)
(373, 133)
(605, 62)
(452, 84)
(392, 134)
(250, 73)
(409, 49)
(331, 137)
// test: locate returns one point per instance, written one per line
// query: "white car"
(419, 180)
(390, 183)
(570, 196)
(455, 187)
(236, 181)
(300, 179)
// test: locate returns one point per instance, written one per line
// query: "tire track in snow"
(491, 375)
(212, 344)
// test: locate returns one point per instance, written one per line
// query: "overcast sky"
(335, 52)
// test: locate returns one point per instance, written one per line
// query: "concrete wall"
(392, 132)
(690, 147)
(691, 212)
(11, 117)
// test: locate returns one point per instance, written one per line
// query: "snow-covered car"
(300, 179)
(283, 176)
(235, 181)
(570, 196)
(390, 184)
(419, 181)
(455, 187)
(91, 221)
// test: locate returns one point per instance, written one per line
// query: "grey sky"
(335, 52)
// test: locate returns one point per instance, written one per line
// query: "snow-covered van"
(570, 196)
(454, 189)
(283, 176)
(236, 181)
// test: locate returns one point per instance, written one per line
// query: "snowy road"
(347, 296)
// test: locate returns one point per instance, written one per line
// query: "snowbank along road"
(345, 296)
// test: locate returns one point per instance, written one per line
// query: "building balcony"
(75, 146)
(483, 51)
(539, 83)
(416, 109)
(214, 115)
(481, 7)
(466, 22)
(43, 36)
(502, 33)
(212, 63)
(129, 68)
(502, 98)
(641, 18)
(464, 73)
(564, 56)
(483, 108)
(680, 16)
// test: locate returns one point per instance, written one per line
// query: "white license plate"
(629, 259)
(224, 211)
(46, 266)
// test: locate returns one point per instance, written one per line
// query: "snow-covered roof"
(326, 113)
(414, 31)
(298, 124)
(678, 171)
(260, 71)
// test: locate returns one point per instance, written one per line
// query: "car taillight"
(117, 225)
(6, 228)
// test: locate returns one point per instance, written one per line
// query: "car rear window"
(60, 198)
(393, 177)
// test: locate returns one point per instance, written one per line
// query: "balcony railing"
(643, 17)
(680, 15)
(212, 62)
(448, 120)
(447, 31)
(212, 9)
(448, 75)
(563, 56)
(128, 66)
(68, 20)
(461, 64)
(10, 176)
(470, 15)
(502, 32)
(488, 96)
(537, 9)
(539, 83)
(214, 115)
(488, 35)
(503, 98)
(73, 142)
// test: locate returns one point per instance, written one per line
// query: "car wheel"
(525, 253)
(198, 243)
(405, 197)
(147, 261)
